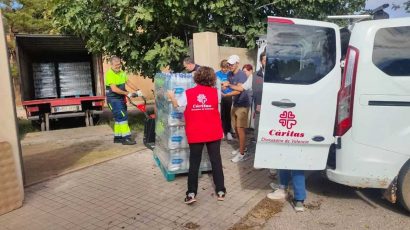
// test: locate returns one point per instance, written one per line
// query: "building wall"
(11, 180)
(207, 52)
(246, 56)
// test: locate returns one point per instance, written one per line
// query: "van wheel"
(404, 186)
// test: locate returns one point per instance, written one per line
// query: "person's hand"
(131, 95)
(225, 84)
(258, 108)
(139, 93)
(223, 95)
(170, 94)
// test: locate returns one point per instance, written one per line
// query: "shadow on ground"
(54, 153)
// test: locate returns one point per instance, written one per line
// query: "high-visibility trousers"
(119, 112)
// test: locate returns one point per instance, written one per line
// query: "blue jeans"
(298, 182)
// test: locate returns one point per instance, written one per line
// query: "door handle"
(283, 104)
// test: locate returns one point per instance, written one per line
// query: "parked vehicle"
(353, 124)
(59, 78)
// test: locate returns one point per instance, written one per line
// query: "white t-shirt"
(247, 85)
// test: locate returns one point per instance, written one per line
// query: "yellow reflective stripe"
(125, 129)
(122, 113)
(109, 105)
(117, 129)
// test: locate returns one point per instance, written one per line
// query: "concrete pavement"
(130, 192)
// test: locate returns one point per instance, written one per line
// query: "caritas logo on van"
(287, 120)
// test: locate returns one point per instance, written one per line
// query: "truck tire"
(403, 183)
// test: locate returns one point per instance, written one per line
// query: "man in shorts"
(240, 107)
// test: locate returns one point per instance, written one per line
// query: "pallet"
(77, 96)
(150, 145)
(170, 176)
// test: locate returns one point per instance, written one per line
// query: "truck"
(59, 78)
(343, 110)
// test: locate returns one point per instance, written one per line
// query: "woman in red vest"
(203, 126)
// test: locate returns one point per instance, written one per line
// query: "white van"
(354, 124)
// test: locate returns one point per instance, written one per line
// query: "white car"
(354, 124)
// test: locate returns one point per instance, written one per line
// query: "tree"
(149, 35)
(27, 16)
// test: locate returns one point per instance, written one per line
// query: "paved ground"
(131, 193)
(53, 153)
(334, 206)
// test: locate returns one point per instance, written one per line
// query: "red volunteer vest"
(202, 119)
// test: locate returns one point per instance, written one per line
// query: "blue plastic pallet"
(168, 175)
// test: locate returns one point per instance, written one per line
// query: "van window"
(299, 54)
(391, 51)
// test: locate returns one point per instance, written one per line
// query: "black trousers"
(226, 105)
(214, 152)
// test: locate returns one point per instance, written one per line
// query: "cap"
(233, 59)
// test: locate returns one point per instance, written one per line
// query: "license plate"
(66, 108)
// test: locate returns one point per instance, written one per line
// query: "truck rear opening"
(59, 78)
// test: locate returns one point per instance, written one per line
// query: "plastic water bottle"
(178, 160)
(175, 117)
(175, 138)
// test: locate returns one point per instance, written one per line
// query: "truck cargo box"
(59, 78)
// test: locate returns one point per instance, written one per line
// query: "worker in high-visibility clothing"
(115, 80)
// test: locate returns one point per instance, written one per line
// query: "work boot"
(117, 139)
(128, 141)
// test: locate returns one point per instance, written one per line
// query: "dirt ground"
(53, 153)
(259, 215)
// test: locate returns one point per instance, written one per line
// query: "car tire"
(403, 183)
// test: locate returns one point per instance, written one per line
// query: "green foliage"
(28, 16)
(25, 126)
(149, 35)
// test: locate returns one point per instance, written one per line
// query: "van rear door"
(300, 88)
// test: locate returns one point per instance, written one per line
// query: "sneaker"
(274, 186)
(229, 137)
(236, 151)
(190, 198)
(239, 157)
(273, 172)
(279, 194)
(298, 206)
(221, 196)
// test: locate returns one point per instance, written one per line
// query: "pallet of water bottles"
(176, 161)
(171, 152)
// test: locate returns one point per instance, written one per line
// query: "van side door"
(381, 115)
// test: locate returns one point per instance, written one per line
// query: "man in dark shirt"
(240, 107)
(189, 65)
(257, 86)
